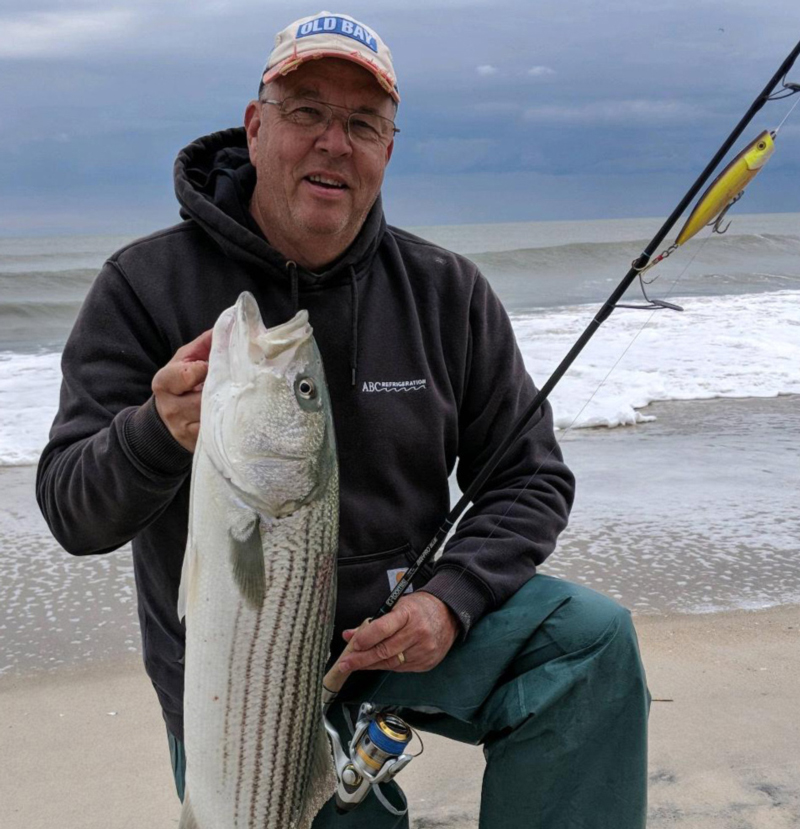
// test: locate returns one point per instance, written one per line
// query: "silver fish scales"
(258, 586)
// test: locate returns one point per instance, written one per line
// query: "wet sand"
(693, 512)
(696, 511)
(85, 748)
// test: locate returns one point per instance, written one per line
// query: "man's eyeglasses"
(316, 116)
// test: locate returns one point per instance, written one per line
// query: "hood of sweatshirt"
(214, 181)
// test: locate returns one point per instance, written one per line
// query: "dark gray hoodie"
(424, 374)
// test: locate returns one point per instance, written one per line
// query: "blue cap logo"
(339, 26)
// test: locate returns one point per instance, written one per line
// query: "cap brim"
(291, 63)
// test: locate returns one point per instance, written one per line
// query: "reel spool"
(375, 755)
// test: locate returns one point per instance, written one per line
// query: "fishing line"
(787, 115)
(566, 432)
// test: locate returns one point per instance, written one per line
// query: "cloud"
(641, 111)
(60, 34)
(449, 155)
(486, 70)
(539, 71)
(495, 108)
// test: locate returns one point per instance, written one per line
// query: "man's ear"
(252, 124)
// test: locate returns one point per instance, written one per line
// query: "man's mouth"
(326, 182)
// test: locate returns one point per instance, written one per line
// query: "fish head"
(760, 151)
(266, 420)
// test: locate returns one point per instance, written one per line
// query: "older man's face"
(292, 207)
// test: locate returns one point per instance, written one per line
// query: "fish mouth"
(249, 343)
(286, 337)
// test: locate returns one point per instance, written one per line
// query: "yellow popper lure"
(726, 189)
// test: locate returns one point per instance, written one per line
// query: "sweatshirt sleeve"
(516, 517)
(111, 465)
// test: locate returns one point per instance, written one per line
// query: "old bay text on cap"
(341, 26)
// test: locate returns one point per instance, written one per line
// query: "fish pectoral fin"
(188, 820)
(247, 561)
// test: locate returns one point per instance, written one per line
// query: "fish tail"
(188, 820)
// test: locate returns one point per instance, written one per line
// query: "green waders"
(552, 685)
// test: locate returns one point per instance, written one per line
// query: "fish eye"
(306, 388)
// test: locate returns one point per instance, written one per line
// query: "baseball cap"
(329, 35)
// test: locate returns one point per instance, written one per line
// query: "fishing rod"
(377, 748)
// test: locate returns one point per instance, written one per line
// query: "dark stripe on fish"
(265, 692)
(301, 643)
(229, 694)
(289, 692)
(242, 731)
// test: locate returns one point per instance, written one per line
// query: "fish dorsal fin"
(247, 557)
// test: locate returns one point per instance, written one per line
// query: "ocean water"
(684, 504)
(738, 337)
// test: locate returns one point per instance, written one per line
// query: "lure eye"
(762, 145)
(306, 388)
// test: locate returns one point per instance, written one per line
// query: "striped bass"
(258, 583)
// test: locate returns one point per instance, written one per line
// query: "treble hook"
(715, 224)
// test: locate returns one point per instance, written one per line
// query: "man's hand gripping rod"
(376, 749)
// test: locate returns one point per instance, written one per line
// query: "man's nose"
(335, 138)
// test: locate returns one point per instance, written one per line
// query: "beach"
(85, 748)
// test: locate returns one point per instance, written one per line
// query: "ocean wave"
(73, 282)
(58, 256)
(743, 252)
(726, 346)
(28, 311)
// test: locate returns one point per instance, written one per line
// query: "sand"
(85, 748)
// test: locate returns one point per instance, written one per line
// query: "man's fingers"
(198, 349)
(179, 377)
(380, 629)
(392, 664)
(179, 408)
(384, 653)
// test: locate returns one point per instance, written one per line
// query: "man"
(423, 372)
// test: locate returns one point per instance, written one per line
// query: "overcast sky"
(511, 111)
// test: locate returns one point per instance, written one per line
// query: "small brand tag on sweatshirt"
(394, 579)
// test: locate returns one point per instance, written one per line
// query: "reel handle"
(334, 680)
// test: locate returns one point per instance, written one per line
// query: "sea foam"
(729, 346)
